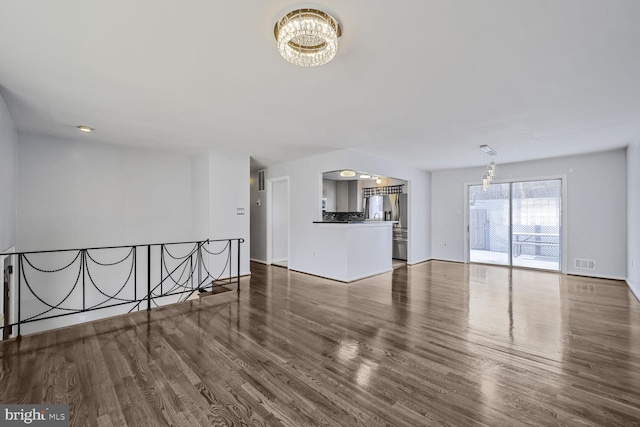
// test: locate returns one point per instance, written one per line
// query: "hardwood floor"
(433, 344)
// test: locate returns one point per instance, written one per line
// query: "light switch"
(240, 211)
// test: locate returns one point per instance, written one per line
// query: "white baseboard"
(635, 288)
(259, 261)
(447, 260)
(345, 280)
(375, 273)
(419, 262)
(597, 276)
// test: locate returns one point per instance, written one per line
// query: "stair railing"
(54, 286)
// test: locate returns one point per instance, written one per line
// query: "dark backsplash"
(342, 216)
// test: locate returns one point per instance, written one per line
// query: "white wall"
(229, 178)
(8, 175)
(633, 217)
(305, 197)
(200, 197)
(596, 209)
(73, 195)
(305, 189)
(82, 194)
(280, 221)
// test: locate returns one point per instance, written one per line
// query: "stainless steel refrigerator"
(391, 207)
(401, 229)
(374, 207)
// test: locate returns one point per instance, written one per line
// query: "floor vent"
(585, 264)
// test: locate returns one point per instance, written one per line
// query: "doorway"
(517, 224)
(278, 222)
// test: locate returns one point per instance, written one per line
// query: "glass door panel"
(489, 215)
(536, 224)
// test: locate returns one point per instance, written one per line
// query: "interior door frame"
(511, 180)
(270, 183)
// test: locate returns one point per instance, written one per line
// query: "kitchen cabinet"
(342, 196)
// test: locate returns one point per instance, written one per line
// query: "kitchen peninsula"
(353, 248)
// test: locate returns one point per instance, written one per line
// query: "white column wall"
(305, 200)
(229, 175)
(8, 176)
(200, 197)
(633, 217)
(280, 221)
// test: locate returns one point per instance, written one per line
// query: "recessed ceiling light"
(347, 173)
(85, 128)
(378, 181)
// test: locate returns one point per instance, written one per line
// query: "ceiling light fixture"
(347, 174)
(365, 176)
(488, 175)
(307, 37)
(85, 128)
(378, 181)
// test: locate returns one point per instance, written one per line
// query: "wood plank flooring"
(433, 344)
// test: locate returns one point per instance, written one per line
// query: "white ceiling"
(417, 81)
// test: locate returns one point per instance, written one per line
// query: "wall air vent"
(261, 185)
(585, 264)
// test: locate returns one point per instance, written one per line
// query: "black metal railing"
(117, 279)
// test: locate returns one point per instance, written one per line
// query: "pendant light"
(490, 172)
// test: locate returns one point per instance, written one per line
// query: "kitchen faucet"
(377, 215)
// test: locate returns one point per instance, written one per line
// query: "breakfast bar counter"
(352, 250)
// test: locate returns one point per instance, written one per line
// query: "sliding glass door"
(536, 224)
(516, 223)
(489, 213)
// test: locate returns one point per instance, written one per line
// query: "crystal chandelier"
(488, 175)
(307, 37)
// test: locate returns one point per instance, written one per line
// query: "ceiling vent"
(585, 264)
